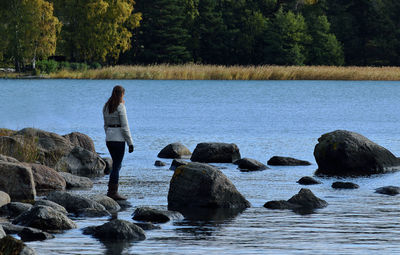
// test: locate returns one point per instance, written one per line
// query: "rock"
(174, 150)
(92, 212)
(147, 225)
(51, 146)
(8, 159)
(177, 163)
(44, 218)
(344, 153)
(388, 190)
(201, 185)
(11, 229)
(53, 205)
(248, 164)
(4, 198)
(216, 153)
(124, 204)
(81, 140)
(14, 209)
(81, 162)
(10, 246)
(287, 161)
(159, 163)
(155, 216)
(32, 234)
(344, 185)
(307, 180)
(74, 203)
(304, 201)
(2, 232)
(46, 178)
(109, 162)
(116, 230)
(16, 179)
(76, 182)
(109, 204)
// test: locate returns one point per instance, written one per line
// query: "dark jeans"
(117, 150)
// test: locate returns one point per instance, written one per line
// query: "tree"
(163, 36)
(29, 31)
(285, 39)
(324, 48)
(96, 30)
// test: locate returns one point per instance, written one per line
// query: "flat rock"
(344, 185)
(307, 180)
(345, 153)
(248, 165)
(155, 216)
(32, 234)
(51, 204)
(74, 203)
(174, 150)
(201, 185)
(76, 182)
(388, 190)
(216, 153)
(116, 230)
(287, 161)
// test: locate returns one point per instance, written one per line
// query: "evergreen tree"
(324, 48)
(162, 36)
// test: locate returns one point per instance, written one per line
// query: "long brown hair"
(115, 99)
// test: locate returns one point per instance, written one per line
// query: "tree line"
(223, 32)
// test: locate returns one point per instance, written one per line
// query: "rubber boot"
(113, 192)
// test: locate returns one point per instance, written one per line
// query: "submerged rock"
(174, 150)
(216, 153)
(287, 161)
(345, 153)
(388, 190)
(201, 185)
(155, 216)
(116, 230)
(307, 180)
(177, 163)
(344, 185)
(159, 163)
(248, 165)
(304, 201)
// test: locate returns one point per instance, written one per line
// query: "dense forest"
(223, 32)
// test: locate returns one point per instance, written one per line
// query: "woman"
(117, 133)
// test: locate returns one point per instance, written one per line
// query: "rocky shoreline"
(34, 161)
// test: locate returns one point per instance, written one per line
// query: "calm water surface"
(264, 118)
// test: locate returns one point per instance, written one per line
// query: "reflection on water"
(264, 118)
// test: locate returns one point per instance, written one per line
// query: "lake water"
(264, 118)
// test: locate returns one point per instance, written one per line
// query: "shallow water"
(264, 118)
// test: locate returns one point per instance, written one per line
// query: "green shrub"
(95, 65)
(47, 66)
(64, 65)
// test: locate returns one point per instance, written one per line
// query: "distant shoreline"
(212, 72)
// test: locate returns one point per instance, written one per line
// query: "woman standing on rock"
(117, 133)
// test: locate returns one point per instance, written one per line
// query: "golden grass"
(213, 72)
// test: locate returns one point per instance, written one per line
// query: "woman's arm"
(126, 133)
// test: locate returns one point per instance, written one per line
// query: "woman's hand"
(130, 148)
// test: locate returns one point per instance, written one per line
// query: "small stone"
(388, 190)
(307, 180)
(159, 163)
(344, 185)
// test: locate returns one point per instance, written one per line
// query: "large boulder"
(16, 179)
(76, 182)
(74, 203)
(4, 198)
(155, 216)
(116, 230)
(345, 153)
(46, 178)
(216, 153)
(11, 246)
(174, 150)
(44, 218)
(81, 140)
(201, 185)
(249, 165)
(81, 162)
(286, 161)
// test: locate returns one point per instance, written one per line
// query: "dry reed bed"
(210, 72)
